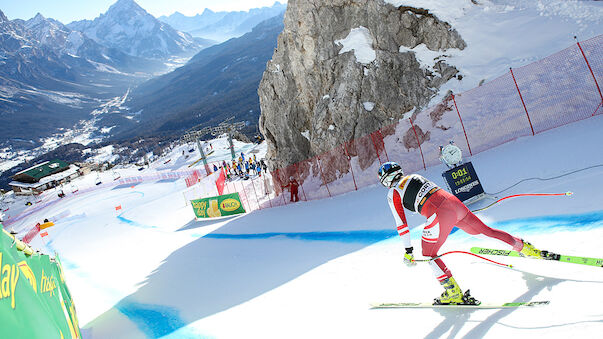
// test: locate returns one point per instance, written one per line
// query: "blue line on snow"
(544, 223)
(156, 321)
(368, 236)
(153, 320)
(548, 223)
(132, 222)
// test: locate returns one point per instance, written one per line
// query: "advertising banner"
(34, 299)
(464, 183)
(220, 206)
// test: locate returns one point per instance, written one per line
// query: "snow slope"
(505, 33)
(310, 269)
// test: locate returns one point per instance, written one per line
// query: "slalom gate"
(34, 299)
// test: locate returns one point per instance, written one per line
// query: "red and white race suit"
(443, 211)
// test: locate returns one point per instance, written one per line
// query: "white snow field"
(310, 269)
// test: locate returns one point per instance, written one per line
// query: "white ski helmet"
(390, 173)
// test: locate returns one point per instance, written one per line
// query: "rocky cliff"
(345, 68)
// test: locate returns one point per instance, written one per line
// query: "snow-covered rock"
(128, 27)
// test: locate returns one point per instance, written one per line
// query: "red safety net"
(557, 90)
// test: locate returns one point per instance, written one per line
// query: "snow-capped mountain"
(129, 28)
(51, 78)
(221, 26)
(53, 35)
(217, 83)
(23, 59)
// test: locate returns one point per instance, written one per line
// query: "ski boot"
(530, 251)
(452, 293)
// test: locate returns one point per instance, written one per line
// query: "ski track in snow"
(181, 278)
(309, 270)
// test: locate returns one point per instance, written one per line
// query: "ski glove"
(409, 259)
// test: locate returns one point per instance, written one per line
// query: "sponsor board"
(34, 299)
(464, 183)
(219, 206)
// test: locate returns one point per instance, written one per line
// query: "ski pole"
(463, 252)
(523, 195)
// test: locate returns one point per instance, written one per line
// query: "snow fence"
(555, 91)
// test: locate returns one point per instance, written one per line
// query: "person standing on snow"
(443, 211)
(293, 186)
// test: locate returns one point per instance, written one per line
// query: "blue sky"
(67, 11)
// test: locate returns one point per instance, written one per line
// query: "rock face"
(343, 69)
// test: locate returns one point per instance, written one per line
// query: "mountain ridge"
(221, 26)
(130, 28)
(217, 83)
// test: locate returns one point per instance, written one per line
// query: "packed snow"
(504, 33)
(310, 269)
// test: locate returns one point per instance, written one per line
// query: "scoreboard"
(464, 183)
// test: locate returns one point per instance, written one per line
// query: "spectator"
(264, 166)
(293, 186)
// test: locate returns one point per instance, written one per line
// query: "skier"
(443, 211)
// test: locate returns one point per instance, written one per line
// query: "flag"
(220, 182)
(43, 234)
(117, 208)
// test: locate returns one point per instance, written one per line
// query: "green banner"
(220, 206)
(34, 299)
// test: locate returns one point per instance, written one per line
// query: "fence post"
(267, 191)
(256, 194)
(459, 114)
(376, 149)
(281, 186)
(322, 176)
(246, 199)
(300, 185)
(383, 141)
(521, 97)
(591, 73)
(345, 148)
(418, 142)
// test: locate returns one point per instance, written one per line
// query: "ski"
(598, 262)
(470, 306)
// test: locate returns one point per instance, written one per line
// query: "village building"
(42, 177)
